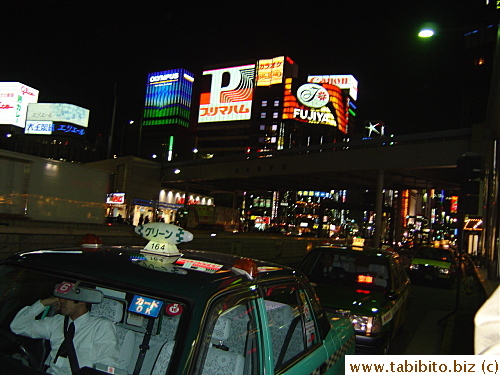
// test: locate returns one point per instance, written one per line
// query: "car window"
(292, 326)
(230, 340)
(347, 269)
(139, 320)
(434, 254)
(400, 271)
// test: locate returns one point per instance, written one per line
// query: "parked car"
(177, 311)
(433, 264)
(370, 286)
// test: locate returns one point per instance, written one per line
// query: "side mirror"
(391, 295)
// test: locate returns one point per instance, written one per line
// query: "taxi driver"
(77, 339)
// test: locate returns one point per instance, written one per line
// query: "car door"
(231, 341)
(295, 338)
(401, 293)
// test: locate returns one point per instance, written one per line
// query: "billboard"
(14, 100)
(270, 71)
(48, 128)
(39, 127)
(315, 104)
(168, 97)
(344, 81)
(229, 97)
(58, 112)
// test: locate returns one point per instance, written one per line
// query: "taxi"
(434, 264)
(370, 286)
(176, 311)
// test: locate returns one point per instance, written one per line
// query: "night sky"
(76, 52)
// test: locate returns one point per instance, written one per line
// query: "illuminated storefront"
(166, 208)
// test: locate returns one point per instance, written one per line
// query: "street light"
(426, 33)
(428, 30)
(123, 133)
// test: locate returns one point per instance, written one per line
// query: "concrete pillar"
(379, 198)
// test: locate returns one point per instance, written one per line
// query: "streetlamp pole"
(111, 133)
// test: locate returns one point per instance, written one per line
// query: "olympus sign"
(164, 77)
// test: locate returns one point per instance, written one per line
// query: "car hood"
(358, 300)
(431, 262)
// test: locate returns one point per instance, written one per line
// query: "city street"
(439, 321)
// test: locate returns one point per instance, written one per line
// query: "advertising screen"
(115, 198)
(14, 100)
(168, 97)
(270, 71)
(39, 127)
(344, 82)
(58, 112)
(230, 94)
(315, 104)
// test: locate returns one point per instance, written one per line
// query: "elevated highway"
(418, 161)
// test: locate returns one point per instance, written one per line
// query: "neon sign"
(315, 104)
(230, 95)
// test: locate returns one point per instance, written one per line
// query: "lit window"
(275, 115)
(273, 139)
(264, 103)
(263, 115)
(262, 127)
(276, 103)
(274, 127)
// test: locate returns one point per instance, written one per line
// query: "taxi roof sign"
(163, 238)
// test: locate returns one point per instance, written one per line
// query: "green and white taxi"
(434, 265)
(177, 311)
(370, 286)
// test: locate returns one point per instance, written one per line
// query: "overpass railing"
(395, 141)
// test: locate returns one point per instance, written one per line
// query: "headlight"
(414, 266)
(444, 271)
(366, 324)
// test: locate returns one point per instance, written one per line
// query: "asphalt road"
(440, 320)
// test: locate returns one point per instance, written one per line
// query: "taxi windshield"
(143, 333)
(348, 269)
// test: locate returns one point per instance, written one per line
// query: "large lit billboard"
(14, 100)
(270, 71)
(344, 81)
(315, 104)
(168, 97)
(230, 94)
(58, 112)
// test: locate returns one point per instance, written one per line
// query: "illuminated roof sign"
(168, 97)
(270, 71)
(230, 95)
(14, 100)
(315, 104)
(344, 81)
(58, 112)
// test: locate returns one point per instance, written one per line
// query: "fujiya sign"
(313, 95)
